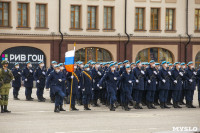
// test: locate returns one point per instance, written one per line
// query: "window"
(4, 14)
(108, 18)
(22, 15)
(157, 54)
(139, 19)
(75, 17)
(197, 19)
(169, 24)
(41, 15)
(92, 12)
(197, 60)
(155, 18)
(95, 54)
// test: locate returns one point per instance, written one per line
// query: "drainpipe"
(61, 34)
(189, 37)
(125, 25)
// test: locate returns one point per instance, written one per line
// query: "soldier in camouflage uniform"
(6, 77)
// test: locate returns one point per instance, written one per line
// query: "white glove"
(115, 78)
(13, 79)
(19, 73)
(175, 81)
(79, 87)
(149, 81)
(93, 81)
(117, 88)
(191, 80)
(26, 79)
(92, 88)
(137, 81)
(99, 73)
(30, 71)
(60, 80)
(169, 73)
(83, 89)
(155, 72)
(142, 72)
(180, 73)
(163, 80)
(43, 73)
(195, 73)
(38, 81)
(100, 87)
(72, 77)
(156, 82)
(97, 85)
(130, 81)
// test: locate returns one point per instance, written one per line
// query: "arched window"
(156, 54)
(92, 53)
(197, 60)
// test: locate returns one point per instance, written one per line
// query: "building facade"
(103, 30)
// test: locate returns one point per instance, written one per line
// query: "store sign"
(23, 54)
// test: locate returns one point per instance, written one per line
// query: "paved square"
(35, 117)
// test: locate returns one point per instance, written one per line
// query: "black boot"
(112, 107)
(40, 99)
(169, 102)
(162, 105)
(152, 106)
(73, 108)
(149, 105)
(2, 110)
(126, 108)
(192, 106)
(123, 106)
(57, 110)
(61, 108)
(137, 106)
(178, 105)
(6, 110)
(86, 107)
(133, 103)
(165, 106)
(175, 104)
(17, 97)
(188, 104)
(199, 104)
(140, 107)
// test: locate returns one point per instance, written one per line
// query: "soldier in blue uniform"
(164, 84)
(176, 77)
(112, 77)
(97, 75)
(27, 77)
(156, 96)
(79, 95)
(190, 76)
(52, 96)
(55, 80)
(182, 93)
(86, 86)
(16, 83)
(198, 85)
(139, 83)
(40, 79)
(151, 78)
(75, 86)
(127, 80)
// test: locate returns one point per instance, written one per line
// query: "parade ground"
(38, 117)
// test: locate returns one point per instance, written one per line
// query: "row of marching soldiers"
(112, 83)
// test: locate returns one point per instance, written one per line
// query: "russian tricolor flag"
(69, 60)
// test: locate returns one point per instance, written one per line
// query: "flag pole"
(72, 82)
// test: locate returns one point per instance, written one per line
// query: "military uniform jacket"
(40, 74)
(164, 74)
(17, 76)
(139, 76)
(86, 82)
(76, 81)
(110, 81)
(28, 74)
(151, 74)
(6, 78)
(190, 74)
(125, 80)
(178, 76)
(96, 77)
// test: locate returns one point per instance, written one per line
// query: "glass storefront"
(92, 53)
(156, 54)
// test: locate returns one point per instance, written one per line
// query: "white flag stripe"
(69, 53)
